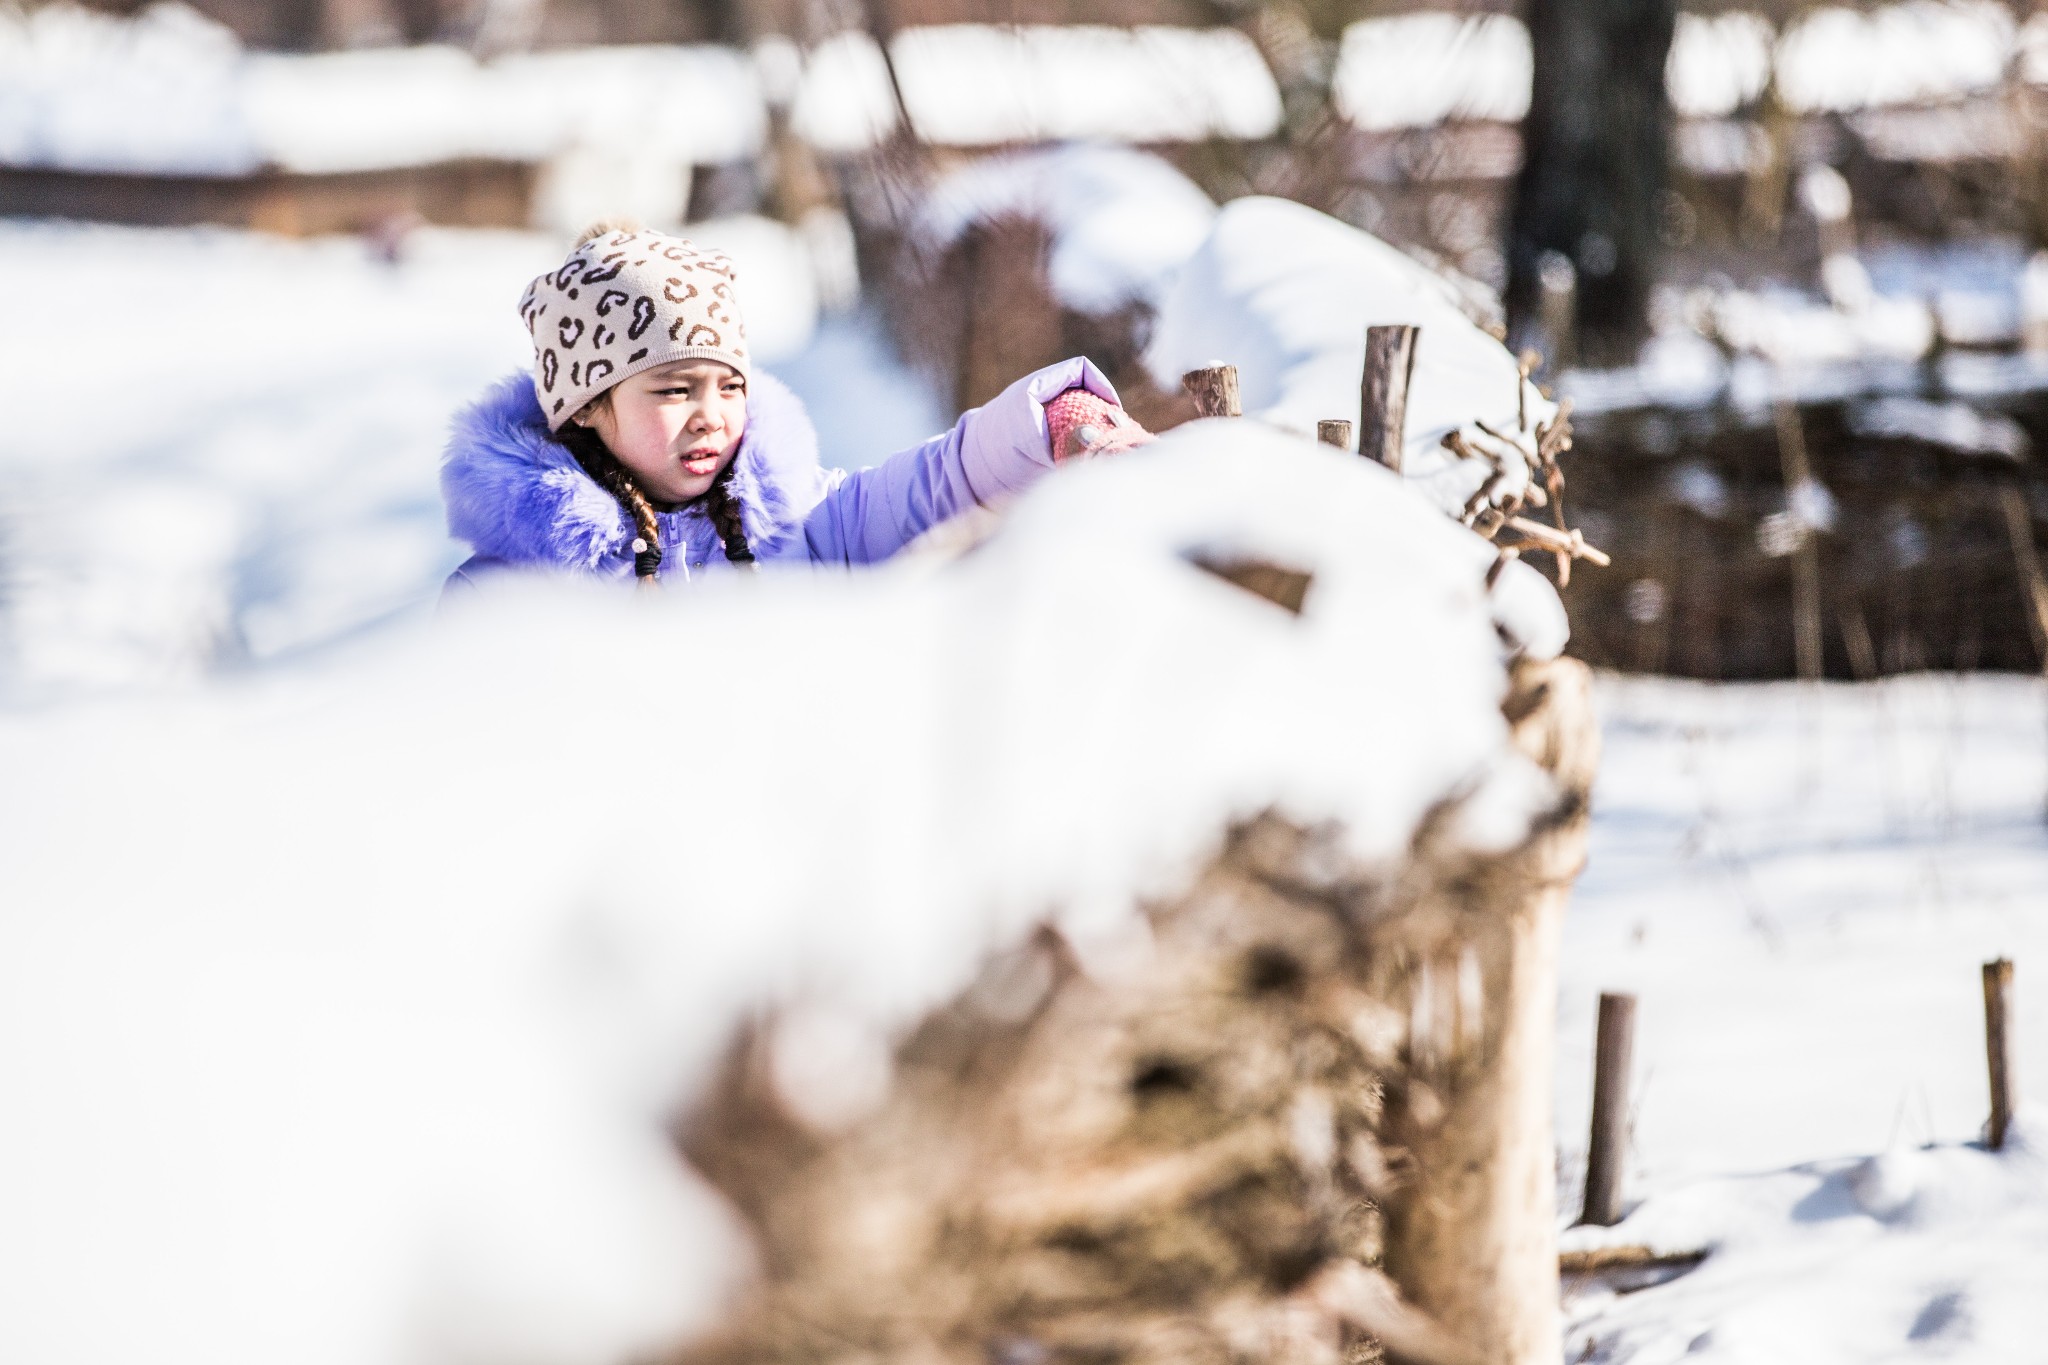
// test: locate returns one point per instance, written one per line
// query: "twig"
(1567, 543)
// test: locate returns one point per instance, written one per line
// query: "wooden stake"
(1998, 1048)
(1214, 390)
(1806, 637)
(1612, 1050)
(2019, 528)
(1383, 394)
(1334, 432)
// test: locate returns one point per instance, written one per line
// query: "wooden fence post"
(1472, 1239)
(1214, 389)
(1998, 1047)
(1612, 1052)
(1334, 432)
(2019, 529)
(1806, 629)
(1383, 393)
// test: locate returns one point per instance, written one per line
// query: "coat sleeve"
(993, 452)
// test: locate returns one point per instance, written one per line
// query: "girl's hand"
(1082, 425)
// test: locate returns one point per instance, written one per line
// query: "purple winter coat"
(520, 500)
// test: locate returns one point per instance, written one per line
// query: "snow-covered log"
(349, 1015)
(1311, 1111)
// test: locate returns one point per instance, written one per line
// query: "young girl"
(646, 444)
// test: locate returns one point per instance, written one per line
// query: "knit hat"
(625, 302)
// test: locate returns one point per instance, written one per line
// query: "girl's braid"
(600, 464)
(724, 510)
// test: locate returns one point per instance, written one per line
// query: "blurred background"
(1782, 257)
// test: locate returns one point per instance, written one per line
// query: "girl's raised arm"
(992, 453)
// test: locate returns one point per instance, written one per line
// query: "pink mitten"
(1081, 423)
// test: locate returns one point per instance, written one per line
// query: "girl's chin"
(689, 479)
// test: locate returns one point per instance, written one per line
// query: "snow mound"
(1931, 1252)
(1286, 293)
(342, 1012)
(1122, 221)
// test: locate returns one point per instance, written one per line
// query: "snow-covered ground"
(1800, 886)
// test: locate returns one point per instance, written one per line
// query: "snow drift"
(342, 1013)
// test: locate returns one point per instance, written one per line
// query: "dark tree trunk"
(1593, 177)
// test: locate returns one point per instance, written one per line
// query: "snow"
(1415, 70)
(256, 475)
(1911, 1254)
(1954, 426)
(1869, 329)
(1122, 221)
(1421, 69)
(172, 92)
(81, 89)
(403, 106)
(1837, 59)
(343, 1008)
(1788, 327)
(1286, 293)
(974, 85)
(1718, 63)
(1799, 883)
(843, 102)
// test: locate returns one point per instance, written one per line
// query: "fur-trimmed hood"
(517, 495)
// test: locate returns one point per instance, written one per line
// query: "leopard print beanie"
(625, 302)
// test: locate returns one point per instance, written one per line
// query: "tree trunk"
(1596, 144)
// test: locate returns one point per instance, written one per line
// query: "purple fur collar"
(516, 494)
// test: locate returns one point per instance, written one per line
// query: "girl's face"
(675, 427)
